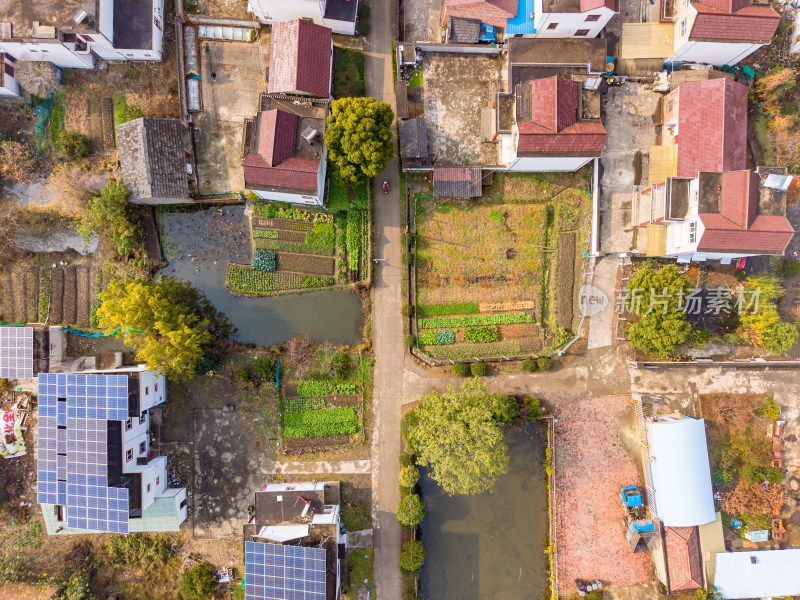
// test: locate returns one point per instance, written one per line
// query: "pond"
(198, 245)
(490, 546)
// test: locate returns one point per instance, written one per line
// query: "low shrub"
(461, 370)
(406, 460)
(198, 583)
(544, 363)
(529, 365)
(74, 145)
(241, 376)
(533, 405)
(412, 556)
(409, 341)
(505, 409)
(410, 510)
(264, 260)
(409, 476)
(482, 334)
(478, 369)
(771, 409)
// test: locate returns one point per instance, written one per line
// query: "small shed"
(413, 139)
(457, 182)
(153, 161)
(679, 471)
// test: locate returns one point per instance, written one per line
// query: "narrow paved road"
(386, 324)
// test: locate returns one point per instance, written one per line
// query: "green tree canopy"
(412, 555)
(358, 138)
(410, 510)
(457, 436)
(198, 583)
(408, 477)
(505, 409)
(169, 323)
(659, 297)
(109, 215)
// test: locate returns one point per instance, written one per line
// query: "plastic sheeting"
(190, 49)
(193, 94)
(220, 32)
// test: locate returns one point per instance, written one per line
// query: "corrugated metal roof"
(647, 40)
(663, 163)
(681, 473)
(774, 573)
(458, 182)
(523, 22)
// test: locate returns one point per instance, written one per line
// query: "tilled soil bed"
(305, 263)
(565, 281)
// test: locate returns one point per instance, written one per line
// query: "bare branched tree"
(40, 78)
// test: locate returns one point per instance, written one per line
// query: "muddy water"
(490, 546)
(198, 246)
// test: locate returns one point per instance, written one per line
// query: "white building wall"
(105, 20)
(548, 163)
(343, 27)
(152, 389)
(568, 23)
(275, 11)
(10, 88)
(714, 53)
(53, 51)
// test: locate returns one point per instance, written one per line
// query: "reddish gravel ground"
(592, 463)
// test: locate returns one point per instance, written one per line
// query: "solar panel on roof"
(73, 461)
(276, 572)
(16, 352)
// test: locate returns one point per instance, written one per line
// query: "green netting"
(42, 113)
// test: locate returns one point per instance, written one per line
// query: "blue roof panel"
(523, 23)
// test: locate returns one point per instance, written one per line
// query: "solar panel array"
(74, 410)
(276, 572)
(16, 352)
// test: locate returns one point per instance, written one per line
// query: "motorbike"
(385, 187)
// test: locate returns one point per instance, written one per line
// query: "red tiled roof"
(553, 127)
(295, 173)
(493, 12)
(733, 20)
(684, 566)
(277, 136)
(712, 127)
(300, 58)
(738, 227)
(592, 4)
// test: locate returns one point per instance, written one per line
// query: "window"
(158, 480)
(9, 70)
(592, 18)
(683, 28)
(128, 425)
(155, 387)
(128, 455)
(582, 33)
(146, 390)
(142, 418)
(86, 38)
(148, 488)
(692, 232)
(552, 26)
(142, 447)
(670, 106)
(157, 23)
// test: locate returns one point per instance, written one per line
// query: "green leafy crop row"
(311, 388)
(353, 239)
(456, 308)
(320, 423)
(482, 334)
(437, 337)
(275, 211)
(496, 319)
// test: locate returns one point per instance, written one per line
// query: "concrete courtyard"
(240, 69)
(631, 112)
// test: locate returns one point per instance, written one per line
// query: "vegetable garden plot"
(245, 280)
(321, 423)
(320, 402)
(266, 244)
(565, 279)
(286, 224)
(305, 263)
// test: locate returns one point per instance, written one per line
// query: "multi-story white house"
(716, 32)
(717, 216)
(560, 18)
(8, 83)
(74, 33)
(96, 469)
(339, 15)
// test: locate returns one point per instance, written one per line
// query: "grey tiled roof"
(464, 31)
(413, 139)
(152, 158)
(457, 182)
